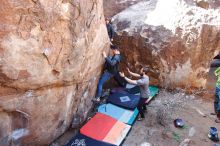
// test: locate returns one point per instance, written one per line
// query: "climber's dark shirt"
(112, 63)
(110, 30)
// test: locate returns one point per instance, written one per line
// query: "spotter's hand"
(122, 74)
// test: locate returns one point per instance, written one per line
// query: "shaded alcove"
(14, 129)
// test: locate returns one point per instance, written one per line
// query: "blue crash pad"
(120, 114)
(124, 100)
(152, 89)
(82, 140)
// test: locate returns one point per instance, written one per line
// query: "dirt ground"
(158, 130)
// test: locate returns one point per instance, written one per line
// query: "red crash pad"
(98, 126)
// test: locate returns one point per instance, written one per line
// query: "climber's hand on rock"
(104, 54)
(122, 74)
(128, 70)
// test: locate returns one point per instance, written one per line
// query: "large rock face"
(177, 39)
(49, 66)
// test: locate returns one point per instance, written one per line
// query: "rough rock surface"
(177, 39)
(49, 66)
(113, 7)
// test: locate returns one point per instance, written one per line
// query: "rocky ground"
(158, 129)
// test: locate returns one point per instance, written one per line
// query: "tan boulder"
(50, 62)
(177, 39)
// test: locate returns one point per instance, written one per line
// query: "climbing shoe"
(96, 100)
(140, 119)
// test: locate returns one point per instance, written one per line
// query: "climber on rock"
(111, 68)
(109, 29)
(143, 83)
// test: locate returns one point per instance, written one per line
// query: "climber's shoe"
(96, 100)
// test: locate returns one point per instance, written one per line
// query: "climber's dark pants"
(142, 106)
(104, 78)
(120, 80)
